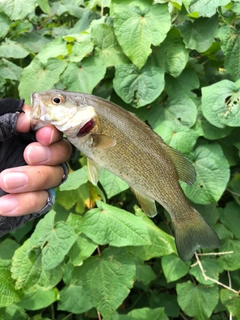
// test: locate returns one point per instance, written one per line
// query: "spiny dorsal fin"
(148, 205)
(185, 169)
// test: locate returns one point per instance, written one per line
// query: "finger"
(54, 154)
(48, 135)
(23, 203)
(30, 178)
(23, 121)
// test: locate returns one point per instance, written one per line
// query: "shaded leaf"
(174, 268)
(232, 301)
(230, 261)
(12, 49)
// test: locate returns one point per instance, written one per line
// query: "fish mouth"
(86, 128)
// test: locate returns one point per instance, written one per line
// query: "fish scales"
(115, 139)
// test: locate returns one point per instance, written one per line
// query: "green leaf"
(72, 299)
(80, 50)
(221, 105)
(14, 312)
(79, 76)
(145, 274)
(54, 239)
(211, 267)
(212, 170)
(230, 45)
(230, 218)
(197, 301)
(107, 46)
(8, 293)
(43, 4)
(230, 261)
(174, 268)
(108, 224)
(138, 87)
(75, 179)
(206, 8)
(7, 249)
(162, 243)
(172, 55)
(143, 314)
(199, 35)
(38, 298)
(177, 136)
(52, 49)
(33, 41)
(232, 301)
(12, 49)
(18, 10)
(112, 185)
(107, 279)
(234, 187)
(9, 70)
(137, 25)
(5, 24)
(43, 76)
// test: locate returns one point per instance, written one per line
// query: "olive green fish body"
(114, 139)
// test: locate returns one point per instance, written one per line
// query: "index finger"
(48, 135)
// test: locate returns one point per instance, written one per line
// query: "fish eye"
(58, 100)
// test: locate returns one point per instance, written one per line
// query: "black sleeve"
(12, 146)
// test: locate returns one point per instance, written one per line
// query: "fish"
(115, 139)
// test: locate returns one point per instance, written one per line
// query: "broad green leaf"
(206, 8)
(174, 268)
(8, 293)
(172, 55)
(108, 224)
(137, 25)
(230, 45)
(12, 49)
(230, 217)
(211, 267)
(107, 279)
(9, 70)
(72, 299)
(181, 104)
(38, 298)
(143, 314)
(7, 249)
(18, 10)
(177, 136)
(79, 76)
(52, 49)
(112, 185)
(107, 46)
(221, 105)
(145, 274)
(212, 174)
(200, 34)
(197, 301)
(43, 4)
(232, 301)
(162, 244)
(32, 41)
(54, 240)
(80, 50)
(230, 261)
(5, 24)
(43, 76)
(14, 312)
(138, 88)
(75, 179)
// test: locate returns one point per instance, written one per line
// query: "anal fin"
(147, 204)
(94, 171)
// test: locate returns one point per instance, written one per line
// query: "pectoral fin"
(185, 169)
(103, 141)
(94, 171)
(148, 205)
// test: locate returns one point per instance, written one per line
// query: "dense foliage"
(176, 65)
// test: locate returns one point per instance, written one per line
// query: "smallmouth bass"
(115, 139)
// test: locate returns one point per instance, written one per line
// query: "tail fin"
(194, 234)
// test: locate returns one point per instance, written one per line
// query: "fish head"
(66, 111)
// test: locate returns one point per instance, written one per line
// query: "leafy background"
(176, 64)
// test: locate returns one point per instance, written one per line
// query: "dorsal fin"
(185, 169)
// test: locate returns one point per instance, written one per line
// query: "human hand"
(27, 185)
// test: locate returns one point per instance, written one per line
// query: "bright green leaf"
(9, 70)
(80, 50)
(4, 24)
(221, 105)
(12, 49)
(75, 179)
(232, 301)
(200, 34)
(79, 76)
(206, 8)
(137, 25)
(138, 87)
(197, 301)
(174, 268)
(43, 76)
(52, 49)
(108, 224)
(18, 10)
(212, 175)
(112, 185)
(143, 314)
